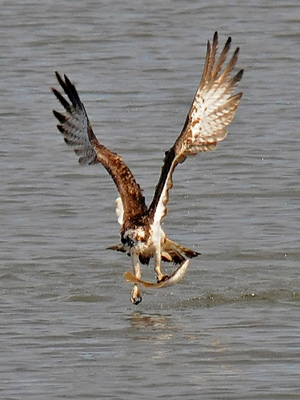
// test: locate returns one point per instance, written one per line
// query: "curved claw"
(162, 278)
(135, 296)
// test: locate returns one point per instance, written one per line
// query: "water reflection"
(157, 322)
(156, 332)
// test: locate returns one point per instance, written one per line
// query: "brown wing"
(213, 108)
(78, 133)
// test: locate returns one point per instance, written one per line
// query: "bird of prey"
(142, 236)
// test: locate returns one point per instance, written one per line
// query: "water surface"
(230, 330)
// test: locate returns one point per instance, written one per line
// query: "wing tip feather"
(60, 117)
(60, 128)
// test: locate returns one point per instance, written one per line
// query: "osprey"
(142, 236)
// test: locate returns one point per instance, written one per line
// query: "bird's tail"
(174, 252)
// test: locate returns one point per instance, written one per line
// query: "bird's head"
(135, 238)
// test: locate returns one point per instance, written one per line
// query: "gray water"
(231, 328)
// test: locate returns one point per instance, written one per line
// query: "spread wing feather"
(78, 133)
(213, 108)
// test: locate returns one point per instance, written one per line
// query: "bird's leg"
(136, 297)
(157, 237)
(157, 267)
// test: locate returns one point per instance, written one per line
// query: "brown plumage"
(212, 109)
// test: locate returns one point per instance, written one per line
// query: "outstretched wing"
(78, 133)
(213, 108)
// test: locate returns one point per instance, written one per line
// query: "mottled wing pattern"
(78, 133)
(214, 104)
(213, 108)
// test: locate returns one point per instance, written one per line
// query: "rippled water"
(230, 330)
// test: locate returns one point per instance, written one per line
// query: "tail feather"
(173, 252)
